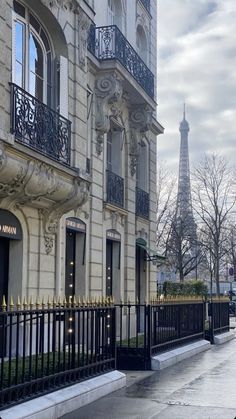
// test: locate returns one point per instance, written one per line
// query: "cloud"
(197, 64)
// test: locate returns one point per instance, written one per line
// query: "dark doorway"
(109, 263)
(138, 274)
(70, 263)
(4, 267)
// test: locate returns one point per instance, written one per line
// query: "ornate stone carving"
(77, 196)
(83, 24)
(108, 91)
(34, 183)
(140, 118)
(133, 153)
(63, 4)
(48, 242)
(114, 219)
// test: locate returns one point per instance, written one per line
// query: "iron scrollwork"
(146, 4)
(108, 42)
(115, 189)
(142, 203)
(39, 127)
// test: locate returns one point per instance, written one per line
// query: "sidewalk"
(202, 387)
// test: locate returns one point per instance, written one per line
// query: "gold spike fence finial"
(4, 304)
(18, 304)
(11, 304)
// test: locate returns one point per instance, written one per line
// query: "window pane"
(19, 9)
(45, 40)
(34, 23)
(18, 74)
(36, 56)
(19, 41)
(36, 86)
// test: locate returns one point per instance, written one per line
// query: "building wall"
(42, 193)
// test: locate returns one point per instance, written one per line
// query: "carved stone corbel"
(108, 91)
(76, 198)
(140, 118)
(71, 5)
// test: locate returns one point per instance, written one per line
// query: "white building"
(78, 135)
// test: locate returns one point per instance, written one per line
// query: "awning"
(151, 255)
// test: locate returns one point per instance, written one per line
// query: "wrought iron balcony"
(142, 203)
(39, 127)
(108, 43)
(115, 189)
(146, 4)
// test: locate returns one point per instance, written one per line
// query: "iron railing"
(144, 330)
(115, 189)
(108, 43)
(142, 203)
(44, 349)
(146, 4)
(218, 311)
(39, 127)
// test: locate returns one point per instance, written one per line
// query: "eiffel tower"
(184, 210)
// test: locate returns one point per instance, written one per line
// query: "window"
(32, 55)
(142, 167)
(115, 13)
(111, 12)
(114, 151)
(141, 41)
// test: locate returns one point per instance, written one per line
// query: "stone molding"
(140, 119)
(83, 28)
(36, 184)
(108, 92)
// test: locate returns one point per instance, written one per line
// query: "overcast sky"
(197, 64)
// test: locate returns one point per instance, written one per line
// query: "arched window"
(115, 13)
(142, 167)
(141, 41)
(32, 54)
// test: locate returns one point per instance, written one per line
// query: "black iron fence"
(43, 349)
(39, 127)
(115, 189)
(142, 203)
(145, 330)
(108, 42)
(49, 346)
(218, 321)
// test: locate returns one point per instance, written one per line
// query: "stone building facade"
(78, 135)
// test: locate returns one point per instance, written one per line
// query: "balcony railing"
(115, 189)
(146, 4)
(108, 43)
(142, 203)
(39, 127)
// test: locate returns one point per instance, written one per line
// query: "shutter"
(64, 86)
(13, 45)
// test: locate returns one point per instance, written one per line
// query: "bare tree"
(173, 239)
(231, 246)
(166, 204)
(214, 200)
(183, 248)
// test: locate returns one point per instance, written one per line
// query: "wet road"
(202, 387)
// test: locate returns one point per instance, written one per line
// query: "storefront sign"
(113, 235)
(10, 226)
(76, 224)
